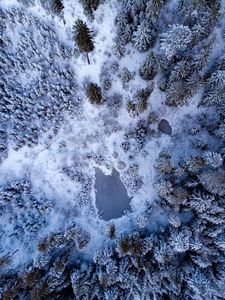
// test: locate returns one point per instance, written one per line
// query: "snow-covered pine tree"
(203, 50)
(153, 9)
(213, 159)
(214, 89)
(175, 40)
(213, 181)
(178, 92)
(150, 67)
(144, 37)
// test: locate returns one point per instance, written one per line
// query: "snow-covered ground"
(62, 168)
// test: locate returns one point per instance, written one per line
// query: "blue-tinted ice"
(111, 195)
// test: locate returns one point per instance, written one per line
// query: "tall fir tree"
(83, 37)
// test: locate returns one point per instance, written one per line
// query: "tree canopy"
(83, 37)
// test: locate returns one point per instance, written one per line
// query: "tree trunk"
(88, 60)
(13, 252)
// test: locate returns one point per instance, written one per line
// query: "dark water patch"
(164, 126)
(111, 195)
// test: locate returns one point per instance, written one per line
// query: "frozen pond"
(164, 126)
(111, 195)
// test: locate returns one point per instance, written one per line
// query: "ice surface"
(164, 126)
(111, 195)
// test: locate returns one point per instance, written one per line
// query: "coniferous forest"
(132, 90)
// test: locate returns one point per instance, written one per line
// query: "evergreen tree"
(178, 92)
(125, 35)
(58, 6)
(144, 38)
(153, 9)
(213, 159)
(90, 6)
(176, 39)
(83, 37)
(214, 89)
(149, 68)
(213, 181)
(94, 93)
(202, 53)
(215, 6)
